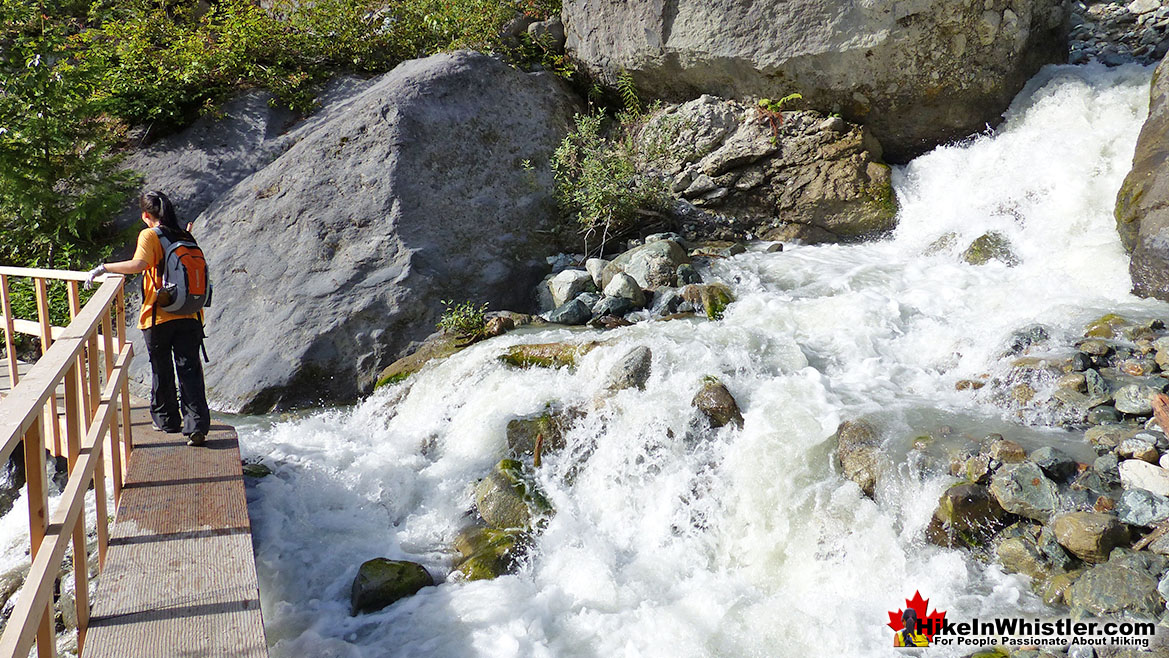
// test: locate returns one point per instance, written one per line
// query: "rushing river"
(747, 543)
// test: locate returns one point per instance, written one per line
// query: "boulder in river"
(1032, 550)
(487, 553)
(652, 265)
(381, 581)
(546, 355)
(1090, 536)
(859, 451)
(631, 371)
(509, 498)
(966, 515)
(552, 425)
(330, 262)
(717, 404)
(1125, 584)
(1023, 489)
(1137, 474)
(712, 298)
(1142, 205)
(917, 75)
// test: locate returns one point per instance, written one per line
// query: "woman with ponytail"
(172, 341)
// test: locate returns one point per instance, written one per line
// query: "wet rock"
(568, 284)
(1056, 587)
(966, 515)
(1096, 385)
(1141, 214)
(990, 246)
(717, 404)
(1137, 474)
(859, 453)
(977, 469)
(1007, 451)
(498, 326)
(687, 275)
(1107, 467)
(1073, 382)
(613, 306)
(546, 355)
(1090, 536)
(1031, 550)
(1122, 585)
(1108, 437)
(1103, 414)
(624, 286)
(552, 425)
(1142, 508)
(508, 498)
(1096, 348)
(1137, 448)
(437, 347)
(1106, 326)
(1081, 362)
(256, 470)
(1025, 338)
(1023, 489)
(381, 581)
(1134, 399)
(631, 371)
(1054, 463)
(488, 553)
(712, 298)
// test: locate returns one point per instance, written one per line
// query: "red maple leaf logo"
(931, 623)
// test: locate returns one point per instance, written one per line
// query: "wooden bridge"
(176, 574)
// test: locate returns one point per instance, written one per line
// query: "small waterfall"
(741, 542)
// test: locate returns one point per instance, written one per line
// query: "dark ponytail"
(159, 206)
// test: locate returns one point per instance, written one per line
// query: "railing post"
(115, 444)
(42, 295)
(9, 331)
(74, 387)
(37, 494)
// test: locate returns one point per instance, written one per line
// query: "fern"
(628, 91)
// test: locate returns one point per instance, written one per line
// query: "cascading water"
(738, 542)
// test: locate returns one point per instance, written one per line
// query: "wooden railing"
(89, 358)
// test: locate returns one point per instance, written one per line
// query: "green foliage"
(628, 91)
(464, 320)
(597, 179)
(772, 111)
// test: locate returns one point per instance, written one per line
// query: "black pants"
(173, 347)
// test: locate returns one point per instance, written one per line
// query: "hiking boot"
(196, 439)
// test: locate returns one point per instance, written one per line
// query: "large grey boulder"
(917, 73)
(804, 178)
(331, 262)
(1142, 205)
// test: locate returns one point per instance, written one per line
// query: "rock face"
(331, 261)
(1142, 205)
(797, 178)
(916, 73)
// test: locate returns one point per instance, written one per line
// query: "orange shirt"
(150, 250)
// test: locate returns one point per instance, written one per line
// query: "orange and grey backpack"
(186, 283)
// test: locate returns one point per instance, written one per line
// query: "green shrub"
(464, 320)
(598, 182)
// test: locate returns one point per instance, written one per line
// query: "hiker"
(173, 340)
(910, 635)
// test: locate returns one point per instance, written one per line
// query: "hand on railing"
(93, 274)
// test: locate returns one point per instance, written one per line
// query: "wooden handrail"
(95, 390)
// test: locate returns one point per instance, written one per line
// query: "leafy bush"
(464, 320)
(598, 182)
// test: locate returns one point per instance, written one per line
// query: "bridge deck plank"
(180, 576)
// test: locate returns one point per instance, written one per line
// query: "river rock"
(990, 246)
(436, 347)
(1090, 536)
(1137, 474)
(1142, 508)
(595, 266)
(859, 452)
(1023, 489)
(1054, 463)
(651, 265)
(966, 515)
(488, 553)
(573, 312)
(568, 284)
(381, 581)
(717, 404)
(613, 307)
(1142, 205)
(1135, 399)
(552, 424)
(625, 287)
(712, 298)
(1031, 550)
(1122, 585)
(330, 262)
(1007, 451)
(822, 185)
(1107, 467)
(546, 355)
(1137, 448)
(508, 498)
(631, 371)
(917, 75)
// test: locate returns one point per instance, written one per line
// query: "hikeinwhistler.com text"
(1015, 631)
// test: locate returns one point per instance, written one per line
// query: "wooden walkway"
(180, 577)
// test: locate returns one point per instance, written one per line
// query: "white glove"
(93, 274)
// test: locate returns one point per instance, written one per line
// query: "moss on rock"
(380, 582)
(546, 355)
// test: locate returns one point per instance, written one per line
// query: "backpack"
(186, 283)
